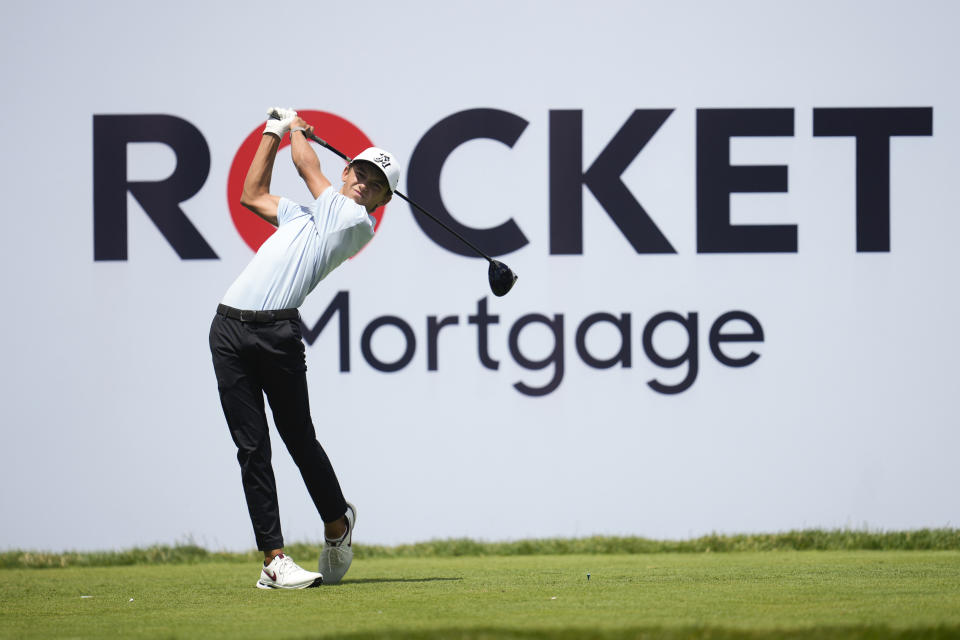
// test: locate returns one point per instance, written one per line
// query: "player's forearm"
(304, 157)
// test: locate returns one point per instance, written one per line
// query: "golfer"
(257, 348)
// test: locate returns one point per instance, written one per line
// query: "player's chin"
(367, 203)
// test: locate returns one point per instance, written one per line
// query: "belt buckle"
(247, 315)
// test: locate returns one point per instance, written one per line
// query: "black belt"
(244, 315)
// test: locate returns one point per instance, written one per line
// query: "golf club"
(501, 277)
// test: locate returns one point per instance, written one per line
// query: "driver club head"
(501, 278)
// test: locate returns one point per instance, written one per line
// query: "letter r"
(161, 199)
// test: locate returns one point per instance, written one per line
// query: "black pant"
(250, 359)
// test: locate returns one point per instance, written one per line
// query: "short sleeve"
(287, 210)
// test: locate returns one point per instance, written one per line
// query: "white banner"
(733, 225)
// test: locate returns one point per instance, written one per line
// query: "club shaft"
(434, 218)
(326, 144)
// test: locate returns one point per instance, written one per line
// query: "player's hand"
(299, 124)
(279, 121)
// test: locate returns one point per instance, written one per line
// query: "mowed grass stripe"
(785, 594)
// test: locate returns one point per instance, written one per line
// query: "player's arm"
(256, 186)
(305, 158)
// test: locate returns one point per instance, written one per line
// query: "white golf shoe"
(284, 573)
(337, 555)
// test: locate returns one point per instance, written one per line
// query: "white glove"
(279, 121)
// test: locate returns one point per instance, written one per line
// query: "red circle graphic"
(340, 133)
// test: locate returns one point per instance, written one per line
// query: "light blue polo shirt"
(310, 241)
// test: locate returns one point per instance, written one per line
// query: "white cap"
(385, 161)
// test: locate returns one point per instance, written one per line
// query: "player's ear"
(387, 199)
(343, 176)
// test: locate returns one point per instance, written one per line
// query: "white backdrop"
(110, 412)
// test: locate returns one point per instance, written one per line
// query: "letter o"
(367, 337)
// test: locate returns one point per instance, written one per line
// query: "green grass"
(783, 594)
(805, 540)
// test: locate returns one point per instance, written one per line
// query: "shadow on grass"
(375, 580)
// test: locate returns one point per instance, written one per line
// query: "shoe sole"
(312, 585)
